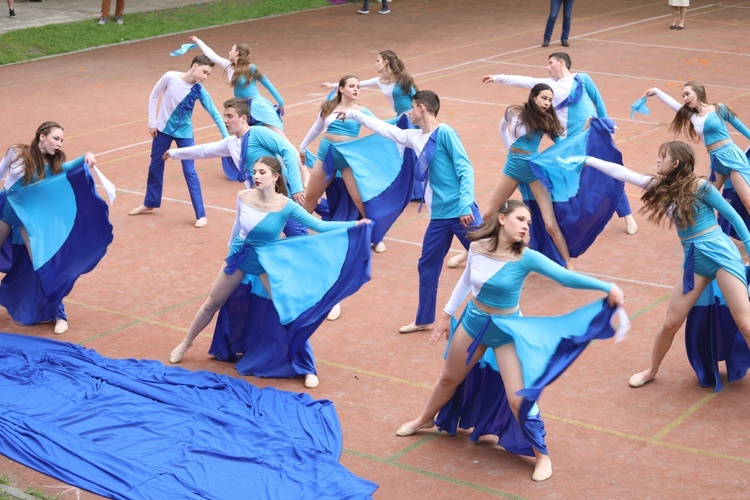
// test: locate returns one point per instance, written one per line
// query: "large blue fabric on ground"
(546, 346)
(137, 429)
(584, 200)
(711, 335)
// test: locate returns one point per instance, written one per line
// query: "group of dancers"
(269, 305)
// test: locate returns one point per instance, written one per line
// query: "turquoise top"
(715, 126)
(708, 199)
(497, 283)
(246, 90)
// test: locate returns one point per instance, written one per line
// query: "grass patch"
(33, 43)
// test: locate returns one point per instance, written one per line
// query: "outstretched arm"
(208, 52)
(537, 262)
(665, 98)
(316, 129)
(619, 172)
(217, 149)
(392, 132)
(524, 82)
(732, 118)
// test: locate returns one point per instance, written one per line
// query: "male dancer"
(178, 92)
(443, 163)
(245, 145)
(576, 99)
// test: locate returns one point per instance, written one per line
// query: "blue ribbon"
(183, 48)
(575, 95)
(639, 106)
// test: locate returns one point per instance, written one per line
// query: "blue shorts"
(517, 167)
(474, 322)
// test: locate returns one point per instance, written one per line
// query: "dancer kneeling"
(262, 213)
(498, 265)
(676, 194)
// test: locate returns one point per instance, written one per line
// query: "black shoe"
(545, 43)
(565, 43)
(12, 13)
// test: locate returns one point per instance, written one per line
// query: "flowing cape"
(309, 275)
(126, 428)
(248, 324)
(546, 346)
(385, 181)
(734, 200)
(584, 199)
(711, 335)
(69, 231)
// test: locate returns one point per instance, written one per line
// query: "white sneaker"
(118, 19)
(102, 21)
(61, 326)
(380, 247)
(335, 313)
(364, 11)
(201, 222)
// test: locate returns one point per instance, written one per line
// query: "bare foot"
(642, 378)
(143, 209)
(410, 428)
(542, 469)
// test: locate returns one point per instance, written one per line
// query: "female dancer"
(262, 212)
(676, 194)
(522, 129)
(498, 265)
(335, 130)
(23, 165)
(699, 120)
(243, 75)
(396, 84)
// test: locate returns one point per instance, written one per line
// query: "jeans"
(366, 5)
(554, 10)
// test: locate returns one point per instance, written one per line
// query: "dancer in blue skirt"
(497, 268)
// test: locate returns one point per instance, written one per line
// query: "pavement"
(31, 14)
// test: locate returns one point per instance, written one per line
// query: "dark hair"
(275, 165)
(672, 196)
(202, 60)
(398, 70)
(328, 106)
(35, 159)
(429, 99)
(533, 118)
(244, 67)
(490, 228)
(562, 56)
(239, 105)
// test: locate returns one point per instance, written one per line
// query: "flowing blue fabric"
(584, 199)
(68, 238)
(546, 346)
(248, 324)
(384, 180)
(639, 106)
(711, 335)
(183, 49)
(6, 247)
(303, 294)
(734, 200)
(125, 428)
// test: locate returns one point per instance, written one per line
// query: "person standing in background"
(106, 4)
(366, 7)
(554, 10)
(679, 9)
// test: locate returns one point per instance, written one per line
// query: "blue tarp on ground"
(125, 428)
